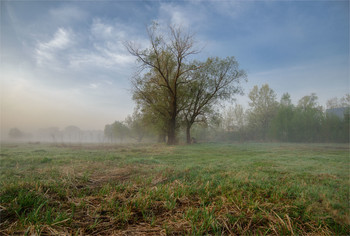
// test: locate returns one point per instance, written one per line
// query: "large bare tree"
(167, 71)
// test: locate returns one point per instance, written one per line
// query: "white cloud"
(187, 16)
(104, 30)
(177, 15)
(60, 40)
(47, 52)
(94, 85)
(100, 58)
(100, 47)
(105, 48)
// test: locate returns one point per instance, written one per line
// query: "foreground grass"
(155, 189)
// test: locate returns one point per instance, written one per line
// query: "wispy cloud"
(108, 49)
(175, 15)
(100, 47)
(188, 16)
(94, 85)
(60, 40)
(106, 31)
(99, 59)
(47, 52)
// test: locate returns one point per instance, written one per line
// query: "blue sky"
(64, 63)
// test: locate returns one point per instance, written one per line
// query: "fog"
(302, 121)
(38, 121)
(32, 109)
(71, 134)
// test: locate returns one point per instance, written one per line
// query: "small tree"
(308, 119)
(116, 130)
(73, 132)
(282, 123)
(15, 133)
(263, 106)
(214, 81)
(119, 130)
(108, 133)
(138, 125)
(233, 118)
(337, 103)
(336, 124)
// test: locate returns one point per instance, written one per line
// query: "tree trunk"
(161, 138)
(172, 123)
(139, 138)
(171, 132)
(188, 134)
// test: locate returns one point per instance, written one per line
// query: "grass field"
(216, 189)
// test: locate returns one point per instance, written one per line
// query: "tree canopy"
(174, 89)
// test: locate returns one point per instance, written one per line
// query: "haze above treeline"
(306, 121)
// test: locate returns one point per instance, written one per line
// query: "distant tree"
(116, 130)
(340, 107)
(346, 129)
(263, 106)
(334, 129)
(50, 134)
(332, 103)
(234, 123)
(345, 101)
(286, 100)
(233, 118)
(73, 133)
(138, 125)
(307, 122)
(120, 130)
(108, 133)
(308, 102)
(308, 119)
(282, 123)
(15, 133)
(214, 127)
(336, 122)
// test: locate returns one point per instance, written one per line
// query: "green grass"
(152, 189)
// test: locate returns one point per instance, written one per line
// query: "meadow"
(154, 189)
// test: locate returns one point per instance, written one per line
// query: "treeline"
(266, 119)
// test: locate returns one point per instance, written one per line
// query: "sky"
(64, 62)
